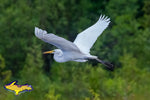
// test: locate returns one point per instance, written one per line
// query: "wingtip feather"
(36, 30)
(104, 18)
(39, 32)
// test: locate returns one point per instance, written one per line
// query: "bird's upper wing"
(57, 41)
(87, 38)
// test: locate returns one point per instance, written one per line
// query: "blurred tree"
(5, 74)
(17, 24)
(142, 41)
(32, 74)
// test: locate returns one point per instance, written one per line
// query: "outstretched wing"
(57, 41)
(87, 38)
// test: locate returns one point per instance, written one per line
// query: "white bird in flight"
(79, 50)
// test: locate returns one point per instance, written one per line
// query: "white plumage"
(79, 50)
(87, 38)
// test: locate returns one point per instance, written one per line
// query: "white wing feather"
(87, 38)
(55, 40)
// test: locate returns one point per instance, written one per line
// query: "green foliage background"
(126, 43)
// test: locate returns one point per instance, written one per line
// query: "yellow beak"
(48, 52)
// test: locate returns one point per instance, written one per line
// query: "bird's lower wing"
(87, 38)
(57, 41)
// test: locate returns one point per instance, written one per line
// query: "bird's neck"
(59, 58)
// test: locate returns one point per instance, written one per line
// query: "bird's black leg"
(107, 64)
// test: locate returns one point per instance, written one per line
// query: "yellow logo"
(17, 88)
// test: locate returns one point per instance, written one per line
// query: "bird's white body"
(79, 50)
(60, 56)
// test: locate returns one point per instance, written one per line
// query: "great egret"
(79, 49)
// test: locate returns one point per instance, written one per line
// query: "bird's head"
(55, 51)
